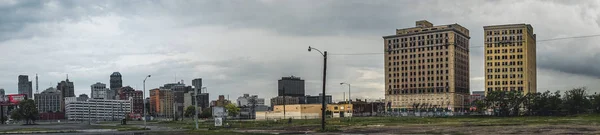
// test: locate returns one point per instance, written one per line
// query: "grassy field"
(396, 121)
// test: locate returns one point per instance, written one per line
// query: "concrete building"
(318, 99)
(202, 100)
(162, 103)
(197, 83)
(137, 102)
(66, 87)
(83, 97)
(97, 109)
(249, 105)
(291, 86)
(50, 100)
(510, 58)
(294, 111)
(427, 65)
(280, 100)
(2, 95)
(99, 91)
(221, 102)
(25, 86)
(247, 100)
(304, 111)
(179, 89)
(116, 82)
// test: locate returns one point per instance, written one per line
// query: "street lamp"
(323, 106)
(349, 98)
(144, 95)
(349, 92)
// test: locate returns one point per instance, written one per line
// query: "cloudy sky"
(246, 46)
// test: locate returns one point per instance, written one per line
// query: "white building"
(246, 100)
(99, 91)
(97, 109)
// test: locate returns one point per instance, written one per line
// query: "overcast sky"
(246, 46)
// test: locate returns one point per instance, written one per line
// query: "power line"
(544, 40)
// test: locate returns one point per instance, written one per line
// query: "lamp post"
(323, 106)
(349, 98)
(196, 107)
(349, 92)
(144, 95)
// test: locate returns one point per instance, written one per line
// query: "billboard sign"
(16, 98)
(219, 112)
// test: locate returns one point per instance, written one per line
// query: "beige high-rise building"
(510, 58)
(427, 66)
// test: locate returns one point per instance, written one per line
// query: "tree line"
(513, 103)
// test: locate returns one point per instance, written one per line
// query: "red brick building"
(138, 100)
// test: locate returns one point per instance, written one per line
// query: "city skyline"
(226, 47)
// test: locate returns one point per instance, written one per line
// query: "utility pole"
(324, 105)
(284, 102)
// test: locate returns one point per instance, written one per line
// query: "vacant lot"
(586, 124)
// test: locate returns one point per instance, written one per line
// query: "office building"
(161, 102)
(318, 99)
(99, 91)
(220, 102)
(25, 86)
(2, 95)
(137, 102)
(247, 100)
(66, 87)
(202, 100)
(97, 109)
(427, 65)
(83, 97)
(197, 83)
(510, 58)
(49, 100)
(290, 86)
(280, 100)
(116, 81)
(249, 105)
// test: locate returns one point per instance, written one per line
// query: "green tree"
(575, 101)
(595, 101)
(26, 111)
(232, 109)
(206, 113)
(190, 111)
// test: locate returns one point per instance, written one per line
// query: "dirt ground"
(434, 129)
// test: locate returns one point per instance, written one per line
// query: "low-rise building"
(221, 102)
(97, 109)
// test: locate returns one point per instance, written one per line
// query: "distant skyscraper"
(25, 86)
(116, 81)
(66, 87)
(197, 83)
(291, 86)
(99, 91)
